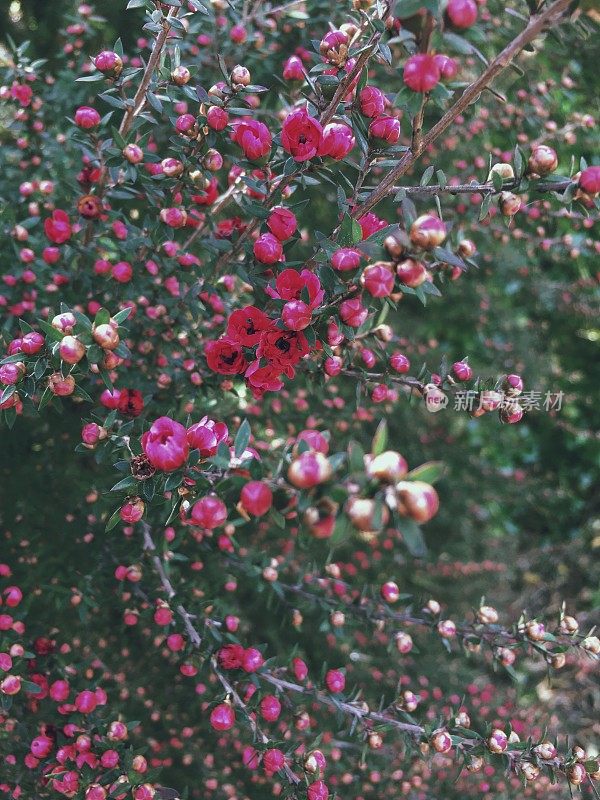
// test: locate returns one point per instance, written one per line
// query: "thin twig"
(537, 25)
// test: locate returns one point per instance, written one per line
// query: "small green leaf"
(242, 438)
(429, 472)
(380, 439)
(113, 520)
(413, 538)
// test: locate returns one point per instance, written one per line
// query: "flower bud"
(180, 76)
(497, 741)
(505, 171)
(411, 272)
(427, 232)
(487, 615)
(109, 63)
(542, 161)
(388, 466)
(366, 514)
(404, 642)
(509, 203)
(441, 741)
(569, 625)
(106, 335)
(240, 76)
(71, 350)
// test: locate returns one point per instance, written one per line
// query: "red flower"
(283, 349)
(131, 402)
(22, 93)
(290, 285)
(246, 325)
(253, 137)
(263, 379)
(282, 223)
(165, 444)
(301, 135)
(230, 656)
(225, 357)
(57, 227)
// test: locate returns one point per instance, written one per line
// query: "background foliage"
(519, 516)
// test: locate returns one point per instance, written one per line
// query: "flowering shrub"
(216, 242)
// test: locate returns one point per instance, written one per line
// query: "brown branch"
(536, 25)
(348, 708)
(139, 100)
(560, 185)
(414, 383)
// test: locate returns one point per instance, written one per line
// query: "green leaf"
(427, 176)
(356, 457)
(122, 315)
(113, 520)
(31, 687)
(55, 335)
(497, 181)
(127, 483)
(413, 538)
(242, 438)
(102, 317)
(430, 472)
(380, 439)
(350, 231)
(408, 8)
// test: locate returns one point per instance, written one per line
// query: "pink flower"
(372, 101)
(293, 69)
(386, 129)
(282, 223)
(370, 223)
(353, 313)
(421, 72)
(301, 135)
(22, 93)
(206, 436)
(165, 444)
(338, 141)
(87, 118)
(217, 118)
(346, 259)
(292, 285)
(253, 137)
(57, 227)
(267, 249)
(378, 280)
